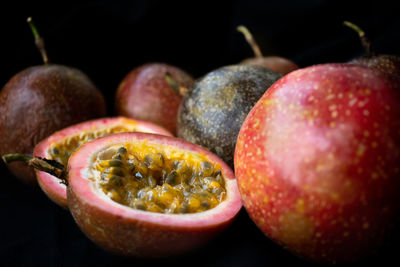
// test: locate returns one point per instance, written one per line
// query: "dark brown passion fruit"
(60, 145)
(40, 100)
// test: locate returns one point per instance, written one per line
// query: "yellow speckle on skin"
(374, 144)
(366, 133)
(266, 200)
(366, 112)
(319, 167)
(332, 124)
(374, 175)
(365, 225)
(360, 150)
(367, 91)
(335, 196)
(300, 205)
(334, 114)
(296, 229)
(329, 97)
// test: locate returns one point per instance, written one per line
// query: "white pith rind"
(91, 195)
(51, 183)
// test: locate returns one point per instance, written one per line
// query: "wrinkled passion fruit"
(60, 145)
(194, 194)
(215, 106)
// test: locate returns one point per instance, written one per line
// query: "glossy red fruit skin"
(50, 184)
(317, 161)
(135, 233)
(144, 94)
(279, 64)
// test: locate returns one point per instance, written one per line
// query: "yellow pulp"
(158, 178)
(62, 150)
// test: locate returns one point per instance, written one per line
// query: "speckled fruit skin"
(389, 64)
(214, 108)
(126, 231)
(275, 63)
(317, 161)
(144, 94)
(39, 101)
(51, 185)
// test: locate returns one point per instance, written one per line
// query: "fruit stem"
(250, 40)
(175, 85)
(47, 165)
(38, 41)
(364, 40)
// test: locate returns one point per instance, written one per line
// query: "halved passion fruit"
(60, 145)
(149, 195)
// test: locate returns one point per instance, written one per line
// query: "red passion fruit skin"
(50, 184)
(123, 230)
(144, 94)
(317, 161)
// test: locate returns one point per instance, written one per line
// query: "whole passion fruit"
(40, 100)
(214, 108)
(276, 63)
(317, 162)
(147, 195)
(145, 94)
(60, 145)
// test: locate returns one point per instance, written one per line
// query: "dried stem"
(250, 40)
(47, 165)
(38, 41)
(364, 40)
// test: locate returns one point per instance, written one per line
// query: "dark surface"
(106, 39)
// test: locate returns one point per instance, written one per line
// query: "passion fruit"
(147, 195)
(60, 145)
(214, 108)
(276, 63)
(145, 94)
(40, 100)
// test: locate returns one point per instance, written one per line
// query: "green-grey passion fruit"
(214, 108)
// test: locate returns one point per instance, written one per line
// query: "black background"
(106, 39)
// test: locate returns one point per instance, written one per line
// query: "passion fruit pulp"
(135, 232)
(136, 176)
(60, 145)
